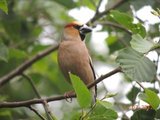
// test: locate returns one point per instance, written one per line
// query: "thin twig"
(50, 99)
(32, 84)
(45, 104)
(119, 3)
(98, 6)
(108, 23)
(36, 112)
(90, 110)
(140, 85)
(105, 76)
(20, 69)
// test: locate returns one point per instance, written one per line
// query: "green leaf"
(109, 95)
(14, 58)
(87, 3)
(121, 18)
(111, 39)
(5, 115)
(127, 21)
(3, 6)
(102, 111)
(17, 54)
(76, 116)
(105, 104)
(3, 52)
(143, 97)
(133, 94)
(152, 98)
(135, 65)
(138, 4)
(143, 115)
(157, 114)
(83, 94)
(69, 4)
(13, 27)
(113, 43)
(137, 29)
(141, 45)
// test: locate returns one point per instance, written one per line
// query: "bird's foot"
(68, 95)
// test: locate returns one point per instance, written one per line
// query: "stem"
(45, 105)
(49, 99)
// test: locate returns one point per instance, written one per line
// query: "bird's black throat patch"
(82, 36)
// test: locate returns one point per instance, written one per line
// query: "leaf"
(141, 45)
(17, 54)
(102, 111)
(109, 95)
(5, 115)
(87, 3)
(143, 115)
(111, 39)
(3, 6)
(3, 52)
(83, 94)
(13, 27)
(113, 43)
(76, 116)
(152, 98)
(143, 97)
(157, 114)
(135, 65)
(133, 94)
(121, 18)
(105, 104)
(138, 4)
(69, 4)
(14, 58)
(127, 21)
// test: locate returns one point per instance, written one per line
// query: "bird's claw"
(67, 96)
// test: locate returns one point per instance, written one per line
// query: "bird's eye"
(77, 26)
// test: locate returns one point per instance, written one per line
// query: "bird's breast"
(73, 55)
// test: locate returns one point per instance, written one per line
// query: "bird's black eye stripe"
(78, 26)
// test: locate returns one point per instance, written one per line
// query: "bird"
(73, 55)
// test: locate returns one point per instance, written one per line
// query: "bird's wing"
(91, 65)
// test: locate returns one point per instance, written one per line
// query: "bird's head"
(76, 29)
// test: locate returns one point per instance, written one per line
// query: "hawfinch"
(73, 56)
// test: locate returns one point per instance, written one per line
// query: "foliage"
(83, 95)
(3, 6)
(136, 66)
(26, 25)
(127, 21)
(151, 98)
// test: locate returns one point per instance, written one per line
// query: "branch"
(49, 99)
(105, 76)
(45, 105)
(36, 112)
(32, 85)
(140, 85)
(97, 16)
(19, 70)
(98, 6)
(108, 23)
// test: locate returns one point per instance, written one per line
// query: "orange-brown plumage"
(73, 56)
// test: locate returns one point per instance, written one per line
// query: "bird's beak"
(85, 29)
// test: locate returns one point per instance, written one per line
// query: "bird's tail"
(94, 88)
(93, 91)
